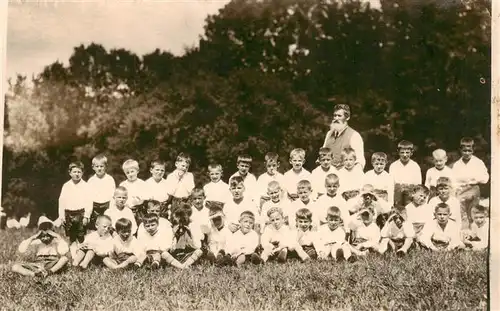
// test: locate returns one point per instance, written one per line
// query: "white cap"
(44, 219)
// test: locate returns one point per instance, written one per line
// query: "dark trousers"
(73, 225)
(98, 209)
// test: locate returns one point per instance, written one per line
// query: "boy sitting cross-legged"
(125, 248)
(154, 207)
(154, 241)
(218, 235)
(96, 246)
(397, 235)
(304, 236)
(332, 237)
(241, 245)
(442, 233)
(477, 237)
(51, 250)
(364, 233)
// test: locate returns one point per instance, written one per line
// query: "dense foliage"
(264, 78)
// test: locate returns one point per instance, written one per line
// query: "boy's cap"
(43, 220)
(445, 181)
(365, 211)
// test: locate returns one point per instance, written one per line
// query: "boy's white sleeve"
(131, 217)
(62, 247)
(62, 202)
(251, 243)
(427, 231)
(358, 146)
(408, 230)
(25, 244)
(265, 240)
(87, 204)
(374, 237)
(482, 173)
(418, 174)
(454, 233)
(428, 179)
(384, 233)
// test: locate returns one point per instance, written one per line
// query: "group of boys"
(337, 213)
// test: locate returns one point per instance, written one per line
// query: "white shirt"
(318, 177)
(74, 197)
(233, 210)
(219, 239)
(114, 213)
(200, 219)
(450, 234)
(473, 172)
(311, 206)
(292, 179)
(419, 214)
(285, 205)
(163, 224)
(409, 174)
(101, 245)
(325, 201)
(370, 233)
(433, 174)
(264, 180)
(131, 246)
(240, 243)
(250, 183)
(383, 181)
(356, 144)
(283, 236)
(305, 238)
(481, 233)
(218, 191)
(101, 189)
(160, 241)
(351, 180)
(156, 190)
(453, 203)
(327, 237)
(391, 231)
(180, 188)
(57, 247)
(137, 188)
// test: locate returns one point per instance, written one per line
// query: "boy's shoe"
(282, 255)
(256, 260)
(339, 255)
(400, 253)
(155, 265)
(41, 273)
(352, 259)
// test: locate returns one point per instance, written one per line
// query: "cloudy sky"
(39, 33)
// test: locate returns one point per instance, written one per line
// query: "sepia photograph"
(247, 155)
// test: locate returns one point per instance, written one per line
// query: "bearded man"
(341, 136)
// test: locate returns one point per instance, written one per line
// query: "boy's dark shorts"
(182, 255)
(40, 263)
(73, 225)
(98, 209)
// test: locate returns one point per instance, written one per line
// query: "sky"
(40, 33)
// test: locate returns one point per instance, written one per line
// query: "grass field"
(421, 281)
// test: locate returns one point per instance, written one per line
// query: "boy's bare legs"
(17, 268)
(192, 259)
(77, 259)
(384, 244)
(406, 246)
(59, 264)
(73, 249)
(300, 252)
(240, 260)
(171, 260)
(89, 255)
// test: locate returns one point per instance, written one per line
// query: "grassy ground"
(423, 281)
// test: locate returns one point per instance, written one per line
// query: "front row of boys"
(339, 235)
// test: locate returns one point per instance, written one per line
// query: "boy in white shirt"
(157, 186)
(351, 175)
(126, 250)
(406, 173)
(238, 204)
(364, 234)
(332, 198)
(444, 196)
(477, 237)
(244, 163)
(180, 183)
(218, 236)
(101, 188)
(418, 212)
(271, 174)
(154, 207)
(119, 210)
(200, 211)
(440, 169)
(75, 206)
(216, 190)
(331, 240)
(136, 187)
(397, 235)
(469, 172)
(154, 242)
(325, 168)
(97, 245)
(296, 173)
(242, 244)
(367, 199)
(50, 251)
(305, 236)
(304, 191)
(442, 233)
(277, 198)
(277, 238)
(382, 182)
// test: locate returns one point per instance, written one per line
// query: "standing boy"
(406, 173)
(296, 173)
(101, 188)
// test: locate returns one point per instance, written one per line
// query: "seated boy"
(154, 242)
(368, 200)
(218, 235)
(325, 168)
(199, 211)
(442, 233)
(418, 212)
(180, 183)
(50, 248)
(271, 174)
(216, 190)
(351, 175)
(157, 186)
(406, 173)
(241, 245)
(364, 234)
(440, 169)
(444, 196)
(382, 182)
(238, 204)
(304, 236)
(477, 237)
(397, 235)
(101, 188)
(296, 173)
(125, 248)
(154, 207)
(118, 209)
(331, 240)
(97, 245)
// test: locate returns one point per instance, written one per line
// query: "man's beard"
(337, 126)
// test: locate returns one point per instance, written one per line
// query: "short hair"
(101, 218)
(197, 192)
(182, 214)
(235, 181)
(247, 214)
(441, 205)
(157, 162)
(273, 185)
(304, 184)
(122, 189)
(46, 225)
(404, 144)
(348, 152)
(298, 152)
(273, 210)
(129, 164)
(244, 158)
(333, 178)
(184, 157)
(150, 218)
(215, 166)
(333, 210)
(438, 153)
(323, 152)
(344, 107)
(151, 203)
(76, 164)
(466, 142)
(303, 214)
(421, 188)
(479, 209)
(377, 156)
(123, 224)
(100, 158)
(271, 157)
(443, 180)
